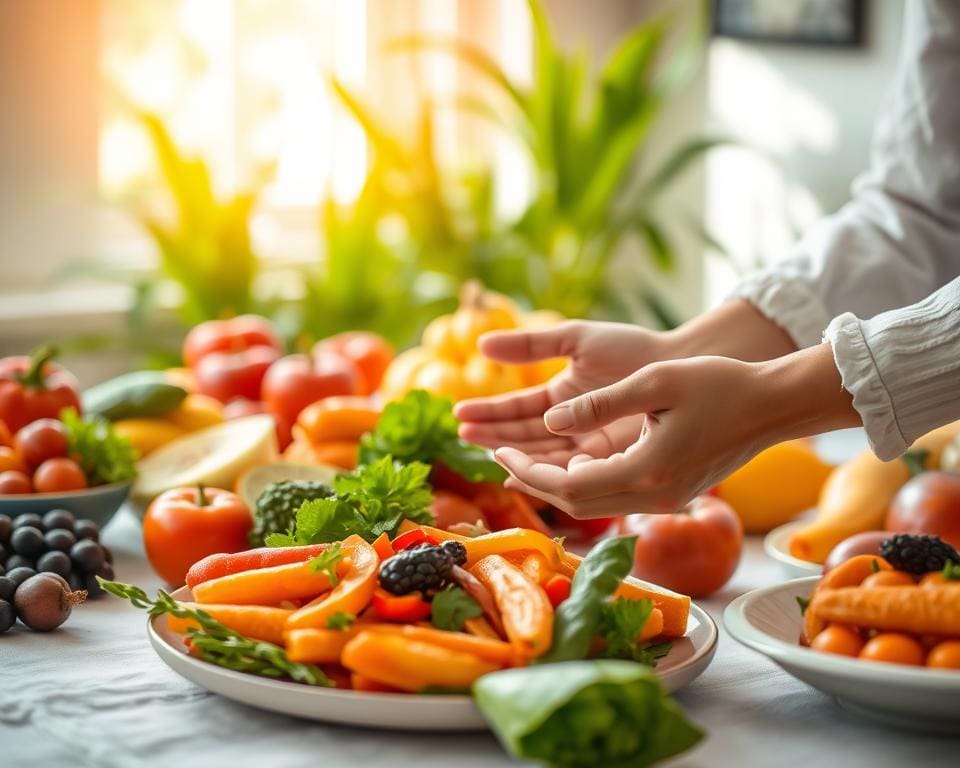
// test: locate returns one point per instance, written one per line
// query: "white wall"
(805, 115)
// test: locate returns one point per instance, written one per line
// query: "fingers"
(646, 391)
(497, 433)
(522, 404)
(529, 346)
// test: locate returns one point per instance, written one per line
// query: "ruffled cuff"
(789, 302)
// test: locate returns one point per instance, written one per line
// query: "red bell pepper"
(234, 335)
(406, 609)
(34, 388)
(294, 382)
(557, 588)
(411, 539)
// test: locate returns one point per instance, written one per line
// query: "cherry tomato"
(838, 639)
(945, 655)
(894, 648)
(41, 440)
(184, 525)
(889, 579)
(928, 503)
(694, 551)
(294, 382)
(13, 482)
(234, 335)
(57, 475)
(10, 460)
(5, 437)
(557, 588)
(370, 352)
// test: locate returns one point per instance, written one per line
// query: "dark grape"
(87, 556)
(76, 581)
(28, 542)
(7, 588)
(6, 525)
(59, 518)
(86, 529)
(3, 570)
(8, 616)
(54, 562)
(91, 584)
(107, 553)
(19, 561)
(60, 539)
(3, 553)
(20, 575)
(29, 520)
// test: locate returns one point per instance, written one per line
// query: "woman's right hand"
(599, 353)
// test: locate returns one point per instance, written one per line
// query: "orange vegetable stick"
(490, 649)
(338, 419)
(536, 567)
(438, 533)
(411, 665)
(526, 612)
(850, 573)
(254, 621)
(497, 543)
(266, 586)
(383, 547)
(653, 627)
(351, 595)
(318, 646)
(905, 609)
(361, 683)
(480, 627)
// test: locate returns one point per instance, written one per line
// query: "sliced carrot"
(491, 649)
(535, 566)
(906, 609)
(850, 573)
(266, 586)
(338, 419)
(383, 547)
(318, 646)
(254, 621)
(654, 626)
(480, 627)
(223, 564)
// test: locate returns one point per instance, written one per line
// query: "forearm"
(735, 329)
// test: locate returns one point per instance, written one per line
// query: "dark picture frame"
(817, 23)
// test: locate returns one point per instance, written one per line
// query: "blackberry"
(416, 570)
(918, 554)
(455, 551)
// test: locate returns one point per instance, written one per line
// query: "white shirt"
(879, 278)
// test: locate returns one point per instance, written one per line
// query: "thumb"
(645, 391)
(528, 346)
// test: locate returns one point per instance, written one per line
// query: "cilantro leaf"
(103, 455)
(422, 427)
(341, 620)
(452, 607)
(327, 563)
(951, 571)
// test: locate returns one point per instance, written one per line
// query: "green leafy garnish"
(951, 571)
(803, 602)
(621, 623)
(422, 427)
(341, 620)
(219, 644)
(875, 566)
(452, 607)
(373, 500)
(916, 460)
(326, 562)
(103, 455)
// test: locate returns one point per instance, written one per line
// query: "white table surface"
(94, 694)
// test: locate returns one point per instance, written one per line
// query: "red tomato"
(229, 375)
(450, 508)
(34, 388)
(293, 383)
(370, 352)
(233, 335)
(6, 439)
(557, 588)
(10, 460)
(41, 440)
(185, 525)
(694, 551)
(13, 482)
(928, 503)
(58, 475)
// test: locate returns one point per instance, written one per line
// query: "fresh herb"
(422, 427)
(371, 501)
(916, 461)
(326, 562)
(621, 623)
(578, 618)
(584, 713)
(951, 571)
(452, 607)
(341, 620)
(103, 455)
(875, 566)
(219, 644)
(803, 602)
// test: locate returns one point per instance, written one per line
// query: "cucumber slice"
(141, 394)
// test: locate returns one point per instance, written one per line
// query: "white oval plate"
(688, 657)
(777, 545)
(769, 621)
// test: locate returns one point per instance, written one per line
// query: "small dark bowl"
(99, 504)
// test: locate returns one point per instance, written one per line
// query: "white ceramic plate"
(686, 660)
(777, 545)
(769, 621)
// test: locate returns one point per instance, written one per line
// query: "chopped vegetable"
(422, 428)
(622, 626)
(256, 622)
(491, 649)
(103, 455)
(411, 539)
(341, 620)
(318, 646)
(927, 611)
(215, 566)
(473, 587)
(265, 586)
(403, 608)
(326, 562)
(452, 607)
(219, 644)
(584, 714)
(277, 505)
(557, 588)
(579, 616)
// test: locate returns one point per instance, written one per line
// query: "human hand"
(599, 353)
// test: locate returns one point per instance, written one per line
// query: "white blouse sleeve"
(894, 244)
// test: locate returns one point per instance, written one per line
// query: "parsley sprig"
(452, 607)
(218, 644)
(621, 622)
(103, 455)
(326, 562)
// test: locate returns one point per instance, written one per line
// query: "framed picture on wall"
(834, 23)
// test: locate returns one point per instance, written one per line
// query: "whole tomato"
(694, 551)
(370, 352)
(184, 525)
(34, 388)
(41, 440)
(14, 482)
(294, 382)
(58, 475)
(928, 503)
(229, 375)
(234, 335)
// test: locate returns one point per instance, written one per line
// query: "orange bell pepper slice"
(254, 621)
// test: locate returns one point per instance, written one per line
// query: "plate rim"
(785, 558)
(86, 493)
(740, 629)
